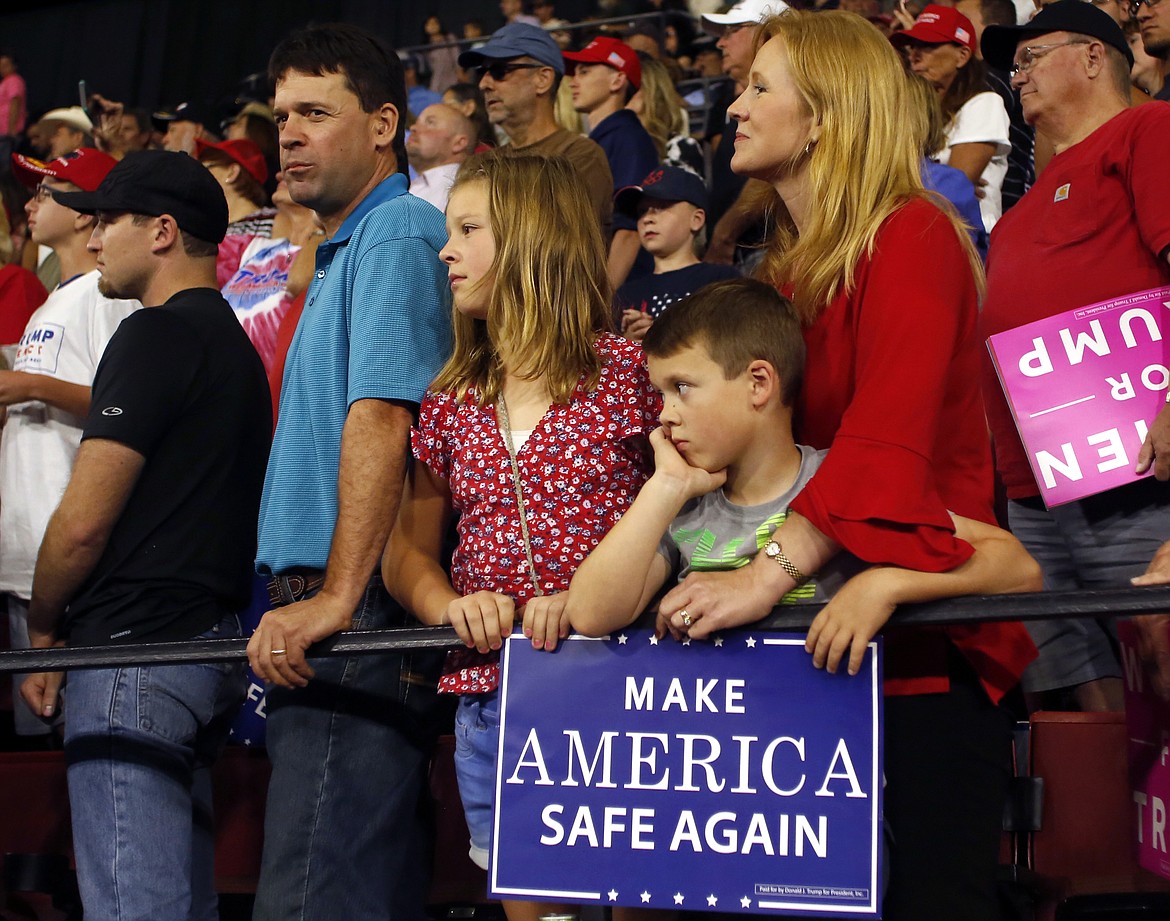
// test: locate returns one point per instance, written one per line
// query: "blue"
(343, 837)
(342, 832)
(139, 743)
(953, 185)
(376, 325)
(631, 154)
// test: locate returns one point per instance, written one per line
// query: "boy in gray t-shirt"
(713, 533)
(728, 361)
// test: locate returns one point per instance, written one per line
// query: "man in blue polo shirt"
(344, 736)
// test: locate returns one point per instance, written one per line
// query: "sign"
(727, 775)
(1083, 387)
(249, 724)
(1147, 720)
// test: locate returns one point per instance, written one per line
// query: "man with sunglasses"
(1153, 18)
(1094, 226)
(519, 70)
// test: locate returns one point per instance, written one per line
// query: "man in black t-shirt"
(153, 540)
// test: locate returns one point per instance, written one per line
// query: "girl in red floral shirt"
(535, 431)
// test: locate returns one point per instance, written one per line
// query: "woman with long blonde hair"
(886, 283)
(535, 431)
(660, 110)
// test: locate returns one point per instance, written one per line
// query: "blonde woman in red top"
(886, 283)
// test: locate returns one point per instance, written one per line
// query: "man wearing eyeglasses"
(1096, 225)
(519, 70)
(1153, 18)
(733, 214)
